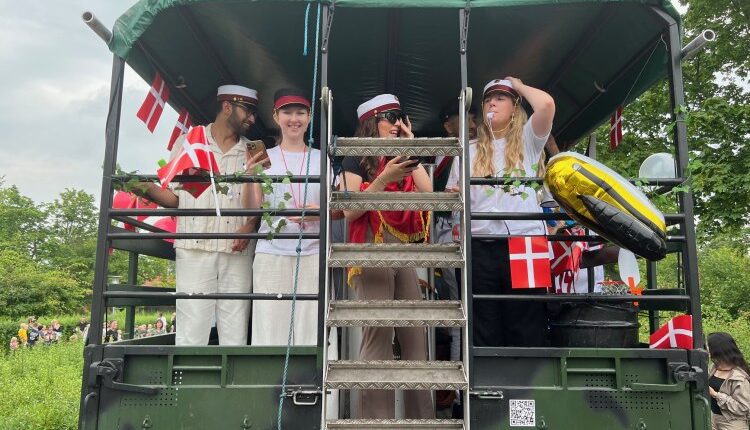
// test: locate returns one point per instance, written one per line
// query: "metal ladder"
(396, 374)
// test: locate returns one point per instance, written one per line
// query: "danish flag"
(615, 129)
(566, 261)
(184, 121)
(153, 106)
(676, 333)
(193, 156)
(529, 262)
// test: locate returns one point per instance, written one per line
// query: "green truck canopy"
(590, 55)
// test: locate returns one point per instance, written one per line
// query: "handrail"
(598, 298)
(234, 179)
(210, 212)
(509, 180)
(209, 236)
(564, 237)
(202, 296)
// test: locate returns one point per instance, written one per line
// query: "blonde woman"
(509, 144)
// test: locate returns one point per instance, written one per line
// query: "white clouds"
(55, 87)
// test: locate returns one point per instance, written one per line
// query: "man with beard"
(216, 265)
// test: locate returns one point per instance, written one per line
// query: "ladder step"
(395, 313)
(397, 424)
(396, 201)
(418, 146)
(395, 255)
(396, 375)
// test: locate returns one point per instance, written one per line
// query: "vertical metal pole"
(689, 250)
(323, 270)
(653, 316)
(591, 151)
(465, 165)
(110, 161)
(89, 406)
(132, 280)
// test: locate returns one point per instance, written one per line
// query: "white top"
(497, 200)
(297, 163)
(229, 162)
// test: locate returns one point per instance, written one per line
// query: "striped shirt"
(229, 162)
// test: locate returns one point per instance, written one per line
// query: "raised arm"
(542, 103)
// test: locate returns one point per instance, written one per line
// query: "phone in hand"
(256, 146)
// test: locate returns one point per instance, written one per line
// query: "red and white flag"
(566, 261)
(529, 262)
(615, 129)
(194, 156)
(676, 333)
(153, 106)
(184, 122)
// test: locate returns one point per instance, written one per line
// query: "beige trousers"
(392, 284)
(719, 422)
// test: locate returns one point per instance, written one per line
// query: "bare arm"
(162, 197)
(422, 180)
(542, 103)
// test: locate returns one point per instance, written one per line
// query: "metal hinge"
(487, 395)
(302, 397)
(108, 373)
(683, 372)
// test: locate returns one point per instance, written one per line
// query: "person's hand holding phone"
(398, 168)
(255, 156)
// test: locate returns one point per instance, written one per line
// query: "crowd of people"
(33, 333)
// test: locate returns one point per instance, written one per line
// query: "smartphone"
(414, 160)
(256, 146)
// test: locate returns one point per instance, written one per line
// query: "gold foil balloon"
(600, 199)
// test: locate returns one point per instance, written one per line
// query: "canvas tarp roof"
(590, 55)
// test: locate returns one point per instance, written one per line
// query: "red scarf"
(407, 226)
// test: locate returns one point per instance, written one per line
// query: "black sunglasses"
(391, 116)
(249, 109)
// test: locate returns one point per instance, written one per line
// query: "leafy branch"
(266, 186)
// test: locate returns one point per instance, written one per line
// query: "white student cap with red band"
(381, 103)
(500, 85)
(237, 94)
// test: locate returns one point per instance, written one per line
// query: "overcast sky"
(55, 89)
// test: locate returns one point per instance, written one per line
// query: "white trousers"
(212, 272)
(275, 274)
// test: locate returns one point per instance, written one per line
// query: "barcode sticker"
(522, 413)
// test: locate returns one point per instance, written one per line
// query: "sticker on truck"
(522, 413)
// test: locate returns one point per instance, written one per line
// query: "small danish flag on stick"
(184, 122)
(153, 106)
(676, 333)
(529, 262)
(615, 129)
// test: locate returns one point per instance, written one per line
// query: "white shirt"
(497, 200)
(297, 163)
(229, 162)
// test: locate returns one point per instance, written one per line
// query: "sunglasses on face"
(249, 110)
(392, 116)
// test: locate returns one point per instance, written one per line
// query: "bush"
(40, 388)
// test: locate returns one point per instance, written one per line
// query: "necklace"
(299, 186)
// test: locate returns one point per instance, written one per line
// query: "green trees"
(47, 254)
(717, 94)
